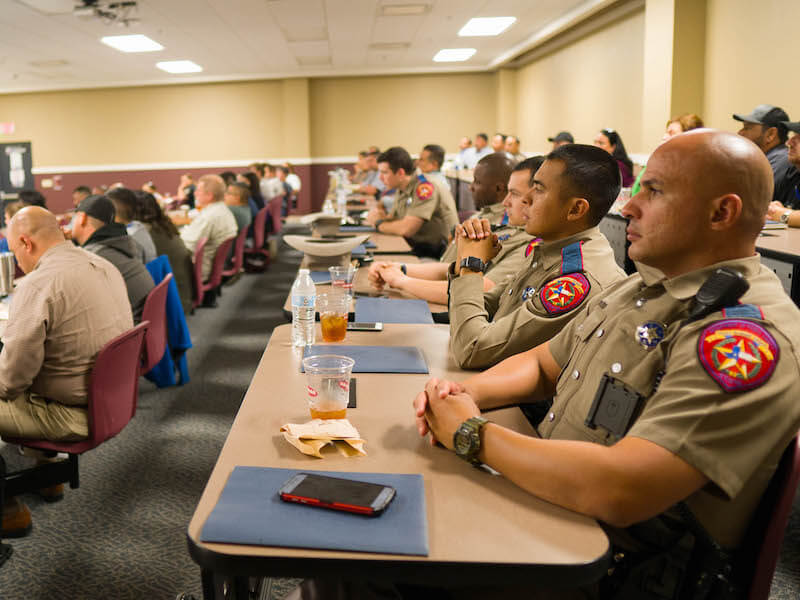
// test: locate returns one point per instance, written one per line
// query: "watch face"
(463, 440)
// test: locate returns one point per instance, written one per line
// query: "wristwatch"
(473, 264)
(467, 439)
(785, 216)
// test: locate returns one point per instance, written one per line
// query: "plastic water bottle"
(341, 201)
(304, 294)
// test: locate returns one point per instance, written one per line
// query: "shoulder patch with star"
(738, 354)
(564, 293)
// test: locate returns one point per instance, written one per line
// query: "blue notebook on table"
(360, 250)
(376, 359)
(356, 228)
(249, 511)
(392, 310)
(319, 277)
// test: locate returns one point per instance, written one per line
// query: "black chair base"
(5, 553)
(43, 475)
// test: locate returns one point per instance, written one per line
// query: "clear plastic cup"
(333, 311)
(328, 385)
(342, 278)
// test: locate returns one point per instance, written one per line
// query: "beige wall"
(149, 124)
(594, 83)
(350, 113)
(751, 58)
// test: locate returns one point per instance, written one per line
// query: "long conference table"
(482, 529)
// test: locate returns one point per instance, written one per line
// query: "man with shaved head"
(214, 222)
(69, 304)
(674, 391)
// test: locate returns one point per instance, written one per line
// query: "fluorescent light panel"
(132, 43)
(482, 26)
(454, 54)
(179, 66)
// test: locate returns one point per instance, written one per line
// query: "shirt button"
(576, 374)
(534, 265)
(616, 368)
(640, 302)
(510, 291)
(600, 332)
(551, 417)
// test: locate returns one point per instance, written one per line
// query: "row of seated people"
(662, 401)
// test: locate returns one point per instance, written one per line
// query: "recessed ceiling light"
(179, 66)
(132, 43)
(454, 54)
(486, 26)
(403, 10)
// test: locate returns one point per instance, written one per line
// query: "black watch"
(467, 439)
(473, 264)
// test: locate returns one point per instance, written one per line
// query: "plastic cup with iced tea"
(333, 310)
(328, 385)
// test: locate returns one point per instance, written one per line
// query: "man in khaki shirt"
(424, 211)
(571, 193)
(495, 185)
(69, 305)
(680, 400)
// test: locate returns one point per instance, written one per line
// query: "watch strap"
(473, 263)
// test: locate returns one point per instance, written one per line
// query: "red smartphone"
(335, 493)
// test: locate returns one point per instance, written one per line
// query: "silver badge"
(650, 333)
(529, 291)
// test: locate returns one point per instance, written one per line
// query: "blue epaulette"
(743, 311)
(571, 258)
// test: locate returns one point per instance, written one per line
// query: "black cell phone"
(335, 493)
(365, 326)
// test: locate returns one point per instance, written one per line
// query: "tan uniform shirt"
(214, 222)
(733, 437)
(492, 213)
(432, 202)
(61, 314)
(512, 317)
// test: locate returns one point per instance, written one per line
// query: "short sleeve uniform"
(721, 393)
(531, 307)
(432, 202)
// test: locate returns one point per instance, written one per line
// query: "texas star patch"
(738, 354)
(424, 190)
(564, 293)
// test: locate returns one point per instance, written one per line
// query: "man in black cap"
(789, 211)
(765, 128)
(94, 229)
(561, 138)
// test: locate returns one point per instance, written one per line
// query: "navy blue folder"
(376, 359)
(360, 250)
(319, 277)
(392, 310)
(249, 511)
(369, 244)
(355, 228)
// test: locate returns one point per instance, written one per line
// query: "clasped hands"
(474, 237)
(383, 273)
(441, 408)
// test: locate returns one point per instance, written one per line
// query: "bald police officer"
(686, 400)
(571, 192)
(429, 280)
(424, 211)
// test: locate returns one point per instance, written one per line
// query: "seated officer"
(429, 280)
(710, 380)
(424, 211)
(571, 192)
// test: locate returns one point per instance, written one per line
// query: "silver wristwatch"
(785, 216)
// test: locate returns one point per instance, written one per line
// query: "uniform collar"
(492, 210)
(52, 251)
(550, 252)
(686, 286)
(409, 189)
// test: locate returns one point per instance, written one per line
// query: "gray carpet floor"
(122, 534)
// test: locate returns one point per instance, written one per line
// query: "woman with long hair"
(610, 141)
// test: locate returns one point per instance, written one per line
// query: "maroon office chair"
(155, 312)
(214, 280)
(111, 404)
(238, 254)
(762, 542)
(199, 249)
(257, 250)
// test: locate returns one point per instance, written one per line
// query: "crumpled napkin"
(311, 437)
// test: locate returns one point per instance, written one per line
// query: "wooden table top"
(481, 527)
(784, 242)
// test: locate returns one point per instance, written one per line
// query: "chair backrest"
(275, 208)
(198, 271)
(114, 385)
(220, 256)
(155, 312)
(762, 543)
(238, 254)
(259, 226)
